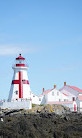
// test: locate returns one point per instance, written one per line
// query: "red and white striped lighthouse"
(20, 88)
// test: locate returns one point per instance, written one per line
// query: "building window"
(73, 98)
(16, 92)
(39, 99)
(52, 93)
(65, 99)
(57, 93)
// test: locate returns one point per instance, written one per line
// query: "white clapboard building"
(69, 96)
(54, 96)
(79, 102)
(74, 94)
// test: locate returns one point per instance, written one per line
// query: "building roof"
(80, 97)
(67, 88)
(46, 92)
(75, 88)
(65, 94)
(20, 57)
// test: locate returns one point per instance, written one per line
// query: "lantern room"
(20, 61)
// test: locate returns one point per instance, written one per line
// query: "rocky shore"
(40, 122)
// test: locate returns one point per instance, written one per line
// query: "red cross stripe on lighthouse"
(20, 82)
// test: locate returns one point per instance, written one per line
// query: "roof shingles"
(75, 88)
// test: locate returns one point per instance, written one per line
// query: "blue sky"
(48, 33)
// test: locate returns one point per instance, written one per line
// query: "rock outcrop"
(57, 109)
(41, 122)
(43, 125)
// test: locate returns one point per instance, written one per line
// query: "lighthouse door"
(74, 107)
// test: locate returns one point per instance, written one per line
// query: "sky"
(48, 33)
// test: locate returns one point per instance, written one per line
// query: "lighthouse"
(20, 87)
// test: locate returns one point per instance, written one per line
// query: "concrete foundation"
(16, 105)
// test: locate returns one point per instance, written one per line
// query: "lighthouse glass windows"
(19, 61)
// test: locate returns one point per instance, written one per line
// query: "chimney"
(54, 86)
(64, 83)
(43, 89)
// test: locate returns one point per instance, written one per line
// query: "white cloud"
(12, 49)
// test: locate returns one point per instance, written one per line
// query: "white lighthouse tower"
(20, 88)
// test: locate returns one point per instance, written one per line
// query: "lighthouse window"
(16, 92)
(23, 81)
